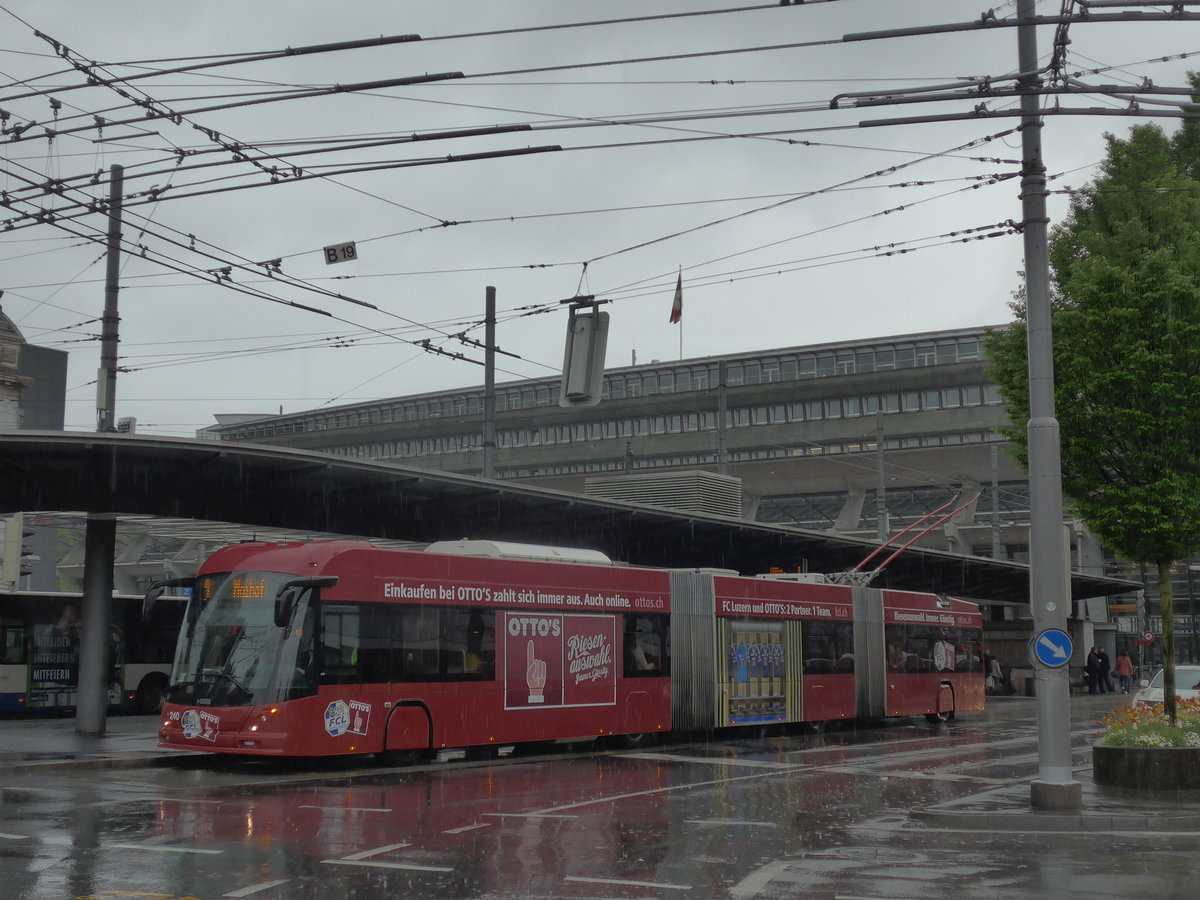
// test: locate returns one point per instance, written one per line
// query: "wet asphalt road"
(769, 816)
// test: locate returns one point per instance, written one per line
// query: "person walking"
(1106, 686)
(1092, 670)
(1124, 670)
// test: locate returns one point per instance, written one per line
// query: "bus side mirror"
(159, 588)
(287, 598)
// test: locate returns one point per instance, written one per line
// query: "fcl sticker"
(337, 718)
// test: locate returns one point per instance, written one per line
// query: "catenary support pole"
(489, 384)
(881, 515)
(1049, 600)
(91, 702)
(722, 413)
(100, 538)
(106, 381)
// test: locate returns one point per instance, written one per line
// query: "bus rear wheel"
(397, 758)
(938, 718)
(636, 741)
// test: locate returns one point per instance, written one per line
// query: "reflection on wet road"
(772, 816)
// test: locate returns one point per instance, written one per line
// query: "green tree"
(1125, 270)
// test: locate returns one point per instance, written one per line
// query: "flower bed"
(1148, 726)
(1140, 748)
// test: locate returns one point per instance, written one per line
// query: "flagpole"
(677, 308)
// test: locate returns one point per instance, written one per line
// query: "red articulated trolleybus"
(340, 647)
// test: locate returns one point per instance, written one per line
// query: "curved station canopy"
(305, 492)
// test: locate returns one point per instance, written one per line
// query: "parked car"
(1187, 686)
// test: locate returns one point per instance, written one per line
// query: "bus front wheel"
(151, 693)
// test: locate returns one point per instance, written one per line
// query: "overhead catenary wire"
(216, 151)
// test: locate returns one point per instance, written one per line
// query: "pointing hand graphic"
(535, 675)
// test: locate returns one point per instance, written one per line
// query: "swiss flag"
(677, 306)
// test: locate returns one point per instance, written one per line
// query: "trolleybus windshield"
(235, 650)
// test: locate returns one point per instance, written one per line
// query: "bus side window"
(479, 658)
(12, 643)
(419, 644)
(645, 646)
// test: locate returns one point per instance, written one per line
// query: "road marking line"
(991, 831)
(729, 822)
(463, 828)
(754, 883)
(348, 808)
(367, 853)
(14, 837)
(158, 849)
(646, 884)
(531, 815)
(386, 865)
(255, 888)
(715, 761)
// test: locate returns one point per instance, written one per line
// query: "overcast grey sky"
(781, 223)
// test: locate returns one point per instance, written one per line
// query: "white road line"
(255, 888)
(992, 832)
(348, 808)
(633, 795)
(368, 853)
(754, 883)
(715, 761)
(729, 822)
(14, 837)
(537, 814)
(662, 886)
(159, 849)
(870, 772)
(464, 828)
(386, 865)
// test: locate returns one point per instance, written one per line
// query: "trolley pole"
(1049, 596)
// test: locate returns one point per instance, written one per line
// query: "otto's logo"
(534, 626)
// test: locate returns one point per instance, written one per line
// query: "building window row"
(678, 423)
(414, 448)
(740, 417)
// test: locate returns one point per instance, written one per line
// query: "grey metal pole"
(1054, 788)
(722, 410)
(100, 539)
(996, 547)
(99, 548)
(106, 381)
(881, 517)
(489, 385)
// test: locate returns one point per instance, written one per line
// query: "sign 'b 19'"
(340, 253)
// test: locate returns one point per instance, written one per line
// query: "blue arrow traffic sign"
(1052, 648)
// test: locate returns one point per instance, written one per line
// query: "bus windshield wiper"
(223, 674)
